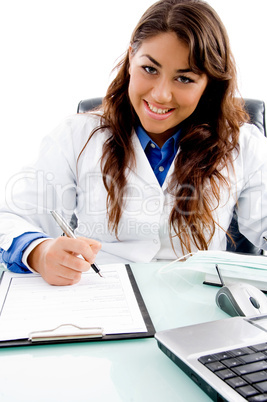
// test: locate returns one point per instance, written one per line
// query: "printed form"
(29, 304)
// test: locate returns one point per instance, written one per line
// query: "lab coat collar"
(143, 169)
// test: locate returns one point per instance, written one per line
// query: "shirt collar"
(145, 139)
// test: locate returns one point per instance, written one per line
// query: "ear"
(130, 52)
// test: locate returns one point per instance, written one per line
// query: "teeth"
(156, 110)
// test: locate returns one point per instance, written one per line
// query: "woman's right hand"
(58, 260)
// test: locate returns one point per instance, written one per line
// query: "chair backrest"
(256, 111)
(88, 104)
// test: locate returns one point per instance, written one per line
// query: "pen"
(69, 232)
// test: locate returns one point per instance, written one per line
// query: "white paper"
(29, 304)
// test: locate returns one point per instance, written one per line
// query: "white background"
(56, 52)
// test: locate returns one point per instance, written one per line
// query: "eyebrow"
(181, 70)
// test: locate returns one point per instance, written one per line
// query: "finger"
(61, 255)
(68, 275)
(57, 274)
(73, 262)
(94, 244)
(77, 246)
(61, 280)
(88, 248)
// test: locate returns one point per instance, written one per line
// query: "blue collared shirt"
(160, 159)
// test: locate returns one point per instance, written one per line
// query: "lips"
(157, 110)
(157, 113)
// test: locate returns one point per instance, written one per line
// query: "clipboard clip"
(66, 331)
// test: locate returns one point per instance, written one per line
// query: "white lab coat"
(55, 181)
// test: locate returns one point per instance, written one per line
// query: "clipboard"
(69, 332)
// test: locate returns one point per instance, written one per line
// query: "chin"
(159, 129)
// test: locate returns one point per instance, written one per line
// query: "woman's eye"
(184, 80)
(150, 70)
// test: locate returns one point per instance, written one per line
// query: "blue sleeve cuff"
(13, 256)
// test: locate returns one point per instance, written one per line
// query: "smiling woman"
(163, 89)
(156, 171)
(179, 62)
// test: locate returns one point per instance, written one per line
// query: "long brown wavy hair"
(210, 134)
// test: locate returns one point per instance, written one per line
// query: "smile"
(156, 113)
(157, 110)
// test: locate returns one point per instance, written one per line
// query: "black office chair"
(256, 111)
(88, 104)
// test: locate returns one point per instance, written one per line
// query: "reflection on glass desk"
(128, 370)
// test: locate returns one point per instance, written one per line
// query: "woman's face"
(162, 88)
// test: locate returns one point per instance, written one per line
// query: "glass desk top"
(125, 370)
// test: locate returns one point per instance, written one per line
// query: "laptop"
(226, 358)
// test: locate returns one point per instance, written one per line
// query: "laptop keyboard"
(244, 369)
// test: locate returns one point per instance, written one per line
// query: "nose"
(161, 91)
